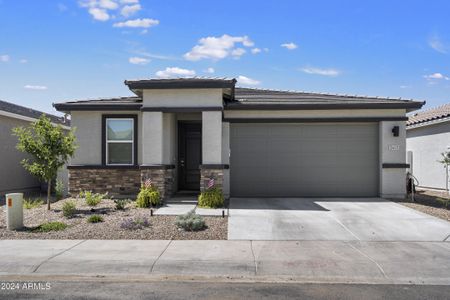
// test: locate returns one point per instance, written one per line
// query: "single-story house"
(427, 136)
(182, 132)
(13, 176)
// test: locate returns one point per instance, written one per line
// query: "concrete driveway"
(331, 219)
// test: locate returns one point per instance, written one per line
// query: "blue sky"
(53, 51)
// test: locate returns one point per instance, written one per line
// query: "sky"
(54, 51)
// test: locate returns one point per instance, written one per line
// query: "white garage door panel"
(304, 159)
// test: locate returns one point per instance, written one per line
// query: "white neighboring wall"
(427, 143)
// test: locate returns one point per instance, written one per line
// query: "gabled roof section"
(137, 85)
(248, 98)
(118, 103)
(14, 110)
(431, 115)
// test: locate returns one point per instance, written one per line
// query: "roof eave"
(179, 84)
(67, 107)
(409, 106)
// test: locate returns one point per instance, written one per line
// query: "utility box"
(14, 211)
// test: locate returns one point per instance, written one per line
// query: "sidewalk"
(303, 261)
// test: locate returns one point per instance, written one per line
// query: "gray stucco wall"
(13, 177)
(88, 125)
(427, 143)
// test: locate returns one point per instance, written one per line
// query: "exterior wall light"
(396, 131)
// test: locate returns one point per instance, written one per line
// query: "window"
(120, 142)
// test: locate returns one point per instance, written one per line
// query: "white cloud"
(129, 10)
(108, 4)
(137, 23)
(99, 14)
(238, 52)
(138, 60)
(436, 43)
(323, 72)
(175, 72)
(35, 87)
(436, 76)
(216, 48)
(4, 58)
(256, 50)
(247, 81)
(405, 86)
(129, 1)
(210, 70)
(23, 61)
(289, 46)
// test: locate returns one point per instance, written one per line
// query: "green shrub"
(148, 197)
(51, 226)
(121, 203)
(29, 203)
(190, 222)
(59, 190)
(92, 199)
(211, 198)
(95, 219)
(69, 209)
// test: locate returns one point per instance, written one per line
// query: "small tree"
(49, 146)
(446, 162)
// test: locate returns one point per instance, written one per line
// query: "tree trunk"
(49, 185)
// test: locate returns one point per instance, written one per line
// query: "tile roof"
(182, 82)
(101, 103)
(266, 96)
(261, 97)
(244, 98)
(31, 113)
(428, 115)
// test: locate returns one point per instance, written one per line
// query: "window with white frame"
(120, 141)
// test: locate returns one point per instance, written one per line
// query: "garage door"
(316, 160)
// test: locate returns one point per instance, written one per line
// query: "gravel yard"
(161, 227)
(426, 202)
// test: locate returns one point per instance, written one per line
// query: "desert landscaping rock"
(161, 227)
(425, 201)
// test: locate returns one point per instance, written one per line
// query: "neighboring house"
(254, 143)
(13, 176)
(428, 135)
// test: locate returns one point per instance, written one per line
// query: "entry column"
(152, 148)
(212, 166)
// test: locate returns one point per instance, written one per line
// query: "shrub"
(51, 226)
(95, 219)
(148, 196)
(136, 223)
(444, 202)
(59, 190)
(121, 203)
(92, 199)
(29, 203)
(69, 209)
(211, 198)
(190, 222)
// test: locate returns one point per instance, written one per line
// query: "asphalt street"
(98, 289)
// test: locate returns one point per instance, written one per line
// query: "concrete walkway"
(304, 261)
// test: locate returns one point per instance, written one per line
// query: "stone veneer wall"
(120, 182)
(117, 182)
(207, 174)
(162, 179)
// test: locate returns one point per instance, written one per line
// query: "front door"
(189, 155)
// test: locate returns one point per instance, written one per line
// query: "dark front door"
(189, 155)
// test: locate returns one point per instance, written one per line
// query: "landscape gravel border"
(161, 227)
